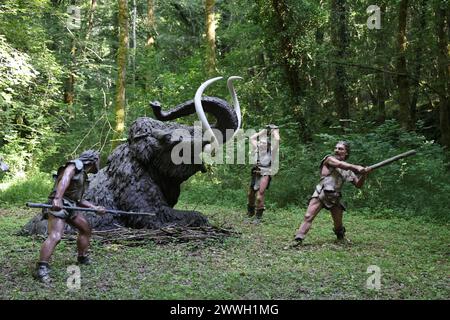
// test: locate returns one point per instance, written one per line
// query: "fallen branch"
(134, 237)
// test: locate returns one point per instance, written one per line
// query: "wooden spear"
(390, 160)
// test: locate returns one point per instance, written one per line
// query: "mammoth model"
(140, 174)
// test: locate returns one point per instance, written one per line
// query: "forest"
(76, 74)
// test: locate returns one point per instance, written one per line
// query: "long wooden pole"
(48, 206)
(388, 161)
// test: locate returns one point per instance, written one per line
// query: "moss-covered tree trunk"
(381, 60)
(443, 85)
(402, 78)
(151, 24)
(91, 18)
(69, 83)
(292, 63)
(420, 23)
(340, 41)
(121, 73)
(291, 60)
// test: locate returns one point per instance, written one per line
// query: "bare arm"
(333, 162)
(275, 139)
(253, 140)
(361, 171)
(275, 149)
(360, 179)
(86, 204)
(62, 186)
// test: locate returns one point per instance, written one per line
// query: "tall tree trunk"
(402, 78)
(380, 77)
(340, 41)
(210, 37)
(291, 60)
(69, 84)
(292, 64)
(420, 31)
(151, 37)
(151, 23)
(91, 18)
(443, 85)
(134, 48)
(133, 26)
(121, 72)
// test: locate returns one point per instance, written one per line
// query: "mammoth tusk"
(236, 105)
(199, 108)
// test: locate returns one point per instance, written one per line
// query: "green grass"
(17, 191)
(413, 256)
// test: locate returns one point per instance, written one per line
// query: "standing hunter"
(334, 171)
(70, 185)
(265, 145)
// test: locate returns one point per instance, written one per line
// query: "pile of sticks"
(134, 237)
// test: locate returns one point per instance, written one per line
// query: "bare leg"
(84, 233)
(314, 208)
(55, 232)
(251, 197)
(260, 194)
(336, 214)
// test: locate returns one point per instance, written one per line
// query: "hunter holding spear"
(334, 171)
(70, 184)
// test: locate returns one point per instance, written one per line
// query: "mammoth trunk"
(225, 116)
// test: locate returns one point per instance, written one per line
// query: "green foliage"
(17, 191)
(29, 89)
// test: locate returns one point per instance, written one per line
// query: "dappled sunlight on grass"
(16, 191)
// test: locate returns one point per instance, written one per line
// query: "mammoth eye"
(139, 136)
(173, 139)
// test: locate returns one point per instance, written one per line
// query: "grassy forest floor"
(413, 256)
